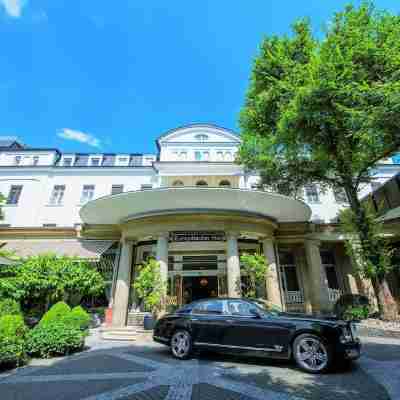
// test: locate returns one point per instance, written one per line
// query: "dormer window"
(197, 155)
(95, 162)
(67, 162)
(35, 160)
(220, 156)
(201, 183)
(17, 160)
(183, 155)
(201, 137)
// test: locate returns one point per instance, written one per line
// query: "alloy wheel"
(312, 354)
(180, 344)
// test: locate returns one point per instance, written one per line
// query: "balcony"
(124, 207)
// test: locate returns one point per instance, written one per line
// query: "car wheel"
(312, 354)
(181, 344)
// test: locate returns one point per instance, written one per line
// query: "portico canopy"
(124, 207)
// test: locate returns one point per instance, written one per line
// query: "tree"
(254, 268)
(47, 278)
(149, 285)
(326, 111)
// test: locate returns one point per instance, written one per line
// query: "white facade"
(53, 186)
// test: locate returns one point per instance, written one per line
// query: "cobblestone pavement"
(146, 371)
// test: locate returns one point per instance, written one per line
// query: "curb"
(363, 330)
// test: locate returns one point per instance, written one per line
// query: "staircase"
(127, 333)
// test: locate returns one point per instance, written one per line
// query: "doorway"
(199, 287)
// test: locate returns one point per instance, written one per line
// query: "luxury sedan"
(243, 326)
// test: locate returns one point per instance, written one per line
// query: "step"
(120, 334)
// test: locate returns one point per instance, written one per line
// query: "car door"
(248, 331)
(208, 321)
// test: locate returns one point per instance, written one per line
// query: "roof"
(10, 142)
(87, 249)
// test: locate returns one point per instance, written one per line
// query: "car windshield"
(264, 308)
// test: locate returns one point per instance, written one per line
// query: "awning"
(87, 249)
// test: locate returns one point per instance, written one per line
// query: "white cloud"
(78, 136)
(13, 7)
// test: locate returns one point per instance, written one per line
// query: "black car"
(243, 326)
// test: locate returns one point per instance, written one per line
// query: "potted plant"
(151, 290)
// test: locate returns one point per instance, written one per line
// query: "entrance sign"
(197, 236)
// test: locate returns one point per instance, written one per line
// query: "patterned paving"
(149, 373)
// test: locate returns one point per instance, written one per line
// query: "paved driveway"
(146, 371)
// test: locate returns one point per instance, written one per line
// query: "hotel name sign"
(197, 236)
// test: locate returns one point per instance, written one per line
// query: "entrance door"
(199, 287)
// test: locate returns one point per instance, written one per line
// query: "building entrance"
(199, 287)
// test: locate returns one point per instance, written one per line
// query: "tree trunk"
(386, 303)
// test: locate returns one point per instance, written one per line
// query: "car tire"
(312, 354)
(181, 345)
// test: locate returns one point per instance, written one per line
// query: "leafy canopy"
(324, 111)
(254, 268)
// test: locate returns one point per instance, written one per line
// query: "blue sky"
(94, 75)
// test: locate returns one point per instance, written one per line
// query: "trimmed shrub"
(9, 307)
(348, 301)
(54, 338)
(56, 313)
(356, 313)
(78, 317)
(13, 333)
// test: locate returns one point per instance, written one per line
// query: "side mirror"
(255, 313)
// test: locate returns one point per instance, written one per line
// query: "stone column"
(162, 258)
(122, 286)
(233, 265)
(272, 278)
(317, 277)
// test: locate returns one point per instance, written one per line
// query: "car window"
(209, 307)
(241, 308)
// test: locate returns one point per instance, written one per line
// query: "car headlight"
(346, 335)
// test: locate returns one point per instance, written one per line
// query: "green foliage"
(9, 307)
(13, 334)
(149, 286)
(254, 267)
(57, 312)
(54, 338)
(356, 313)
(326, 111)
(78, 317)
(47, 278)
(374, 258)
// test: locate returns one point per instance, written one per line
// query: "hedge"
(78, 317)
(9, 307)
(54, 338)
(13, 333)
(57, 312)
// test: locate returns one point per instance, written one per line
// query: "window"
(289, 278)
(57, 195)
(87, 193)
(178, 183)
(206, 155)
(209, 307)
(241, 308)
(136, 160)
(340, 195)
(17, 160)
(197, 155)
(122, 160)
(95, 162)
(199, 263)
(14, 195)
(183, 155)
(108, 160)
(201, 137)
(146, 187)
(49, 225)
(228, 156)
(116, 189)
(81, 160)
(220, 156)
(67, 162)
(225, 183)
(201, 183)
(328, 261)
(312, 195)
(35, 160)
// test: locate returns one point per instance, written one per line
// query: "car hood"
(312, 318)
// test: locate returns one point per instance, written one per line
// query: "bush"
(78, 317)
(356, 313)
(9, 307)
(54, 338)
(56, 313)
(13, 334)
(350, 301)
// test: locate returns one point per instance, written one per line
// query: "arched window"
(201, 183)
(178, 183)
(228, 156)
(225, 183)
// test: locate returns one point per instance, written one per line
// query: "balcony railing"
(294, 297)
(334, 294)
